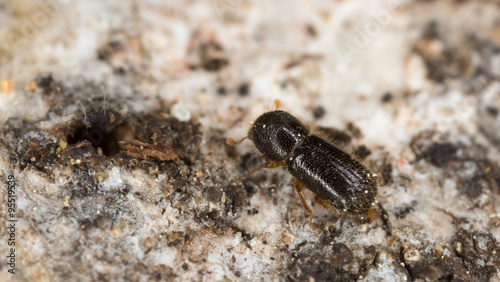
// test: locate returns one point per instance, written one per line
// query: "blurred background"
(416, 83)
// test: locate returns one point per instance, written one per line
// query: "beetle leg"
(264, 165)
(323, 203)
(298, 188)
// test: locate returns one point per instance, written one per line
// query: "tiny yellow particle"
(6, 85)
(63, 144)
(99, 176)
(30, 86)
(66, 202)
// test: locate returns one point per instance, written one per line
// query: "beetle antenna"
(277, 103)
(232, 142)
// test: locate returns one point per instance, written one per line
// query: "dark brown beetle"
(337, 178)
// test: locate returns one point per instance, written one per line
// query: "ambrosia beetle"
(338, 179)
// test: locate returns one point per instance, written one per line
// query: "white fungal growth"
(180, 112)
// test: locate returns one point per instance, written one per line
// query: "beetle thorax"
(276, 133)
